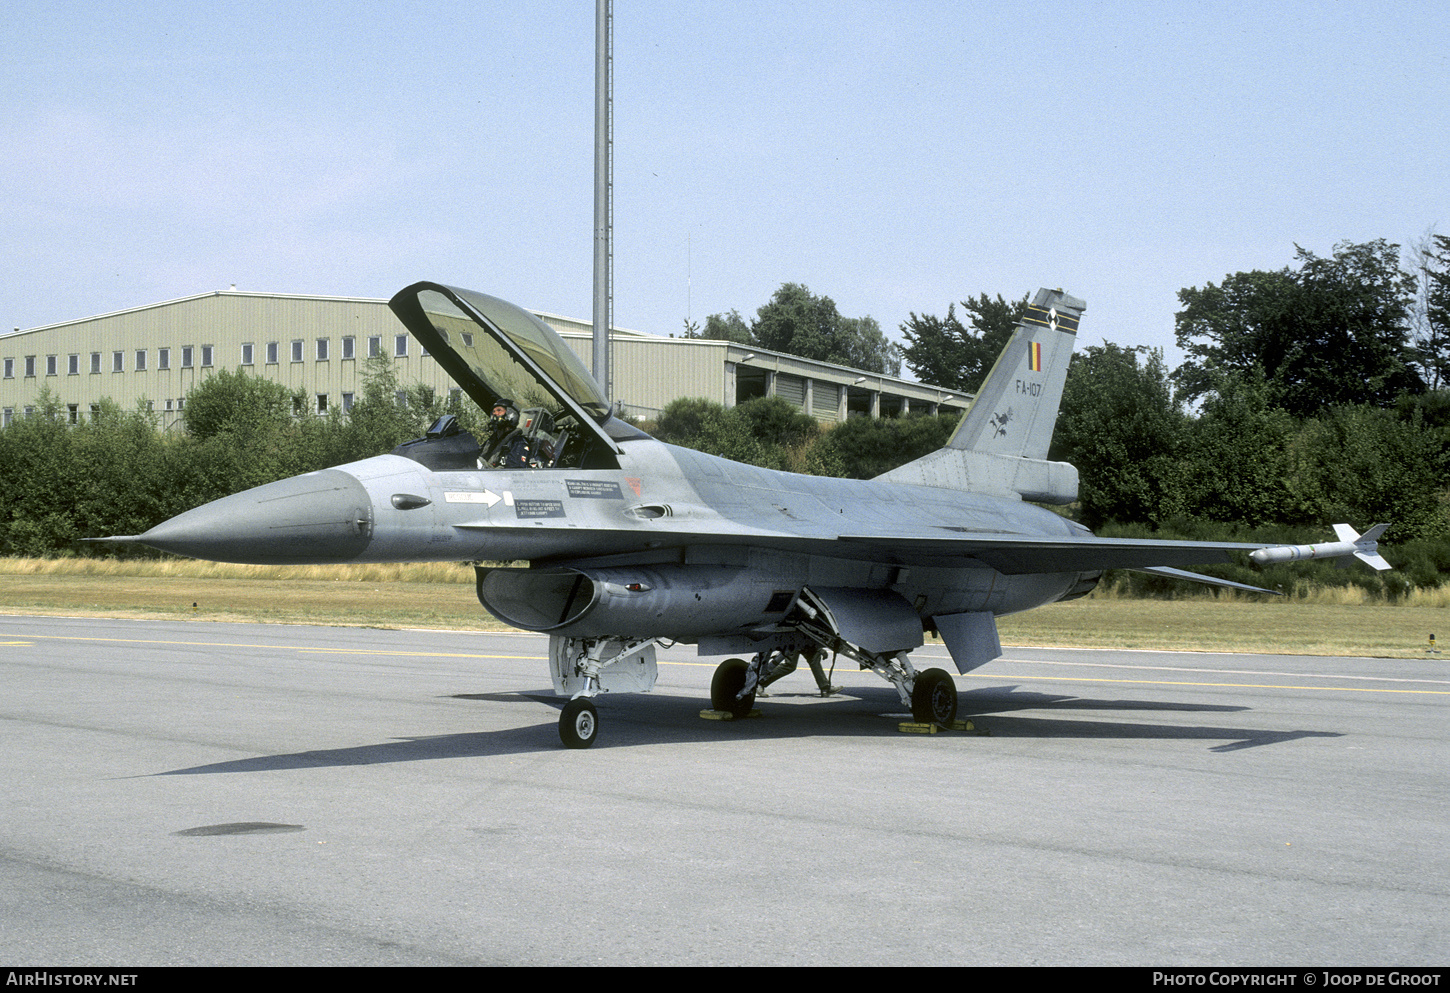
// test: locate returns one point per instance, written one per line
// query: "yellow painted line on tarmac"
(430, 655)
(1232, 672)
(282, 647)
(995, 676)
(1185, 682)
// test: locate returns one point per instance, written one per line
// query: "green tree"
(37, 481)
(1236, 459)
(864, 447)
(236, 402)
(777, 421)
(1363, 465)
(1121, 426)
(379, 422)
(725, 327)
(709, 427)
(798, 322)
(1333, 331)
(1430, 269)
(945, 352)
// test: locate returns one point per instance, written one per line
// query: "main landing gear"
(733, 688)
(582, 668)
(931, 695)
(934, 698)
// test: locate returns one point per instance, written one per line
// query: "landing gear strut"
(585, 667)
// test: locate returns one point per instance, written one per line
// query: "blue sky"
(894, 156)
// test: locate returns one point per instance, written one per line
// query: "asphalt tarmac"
(197, 793)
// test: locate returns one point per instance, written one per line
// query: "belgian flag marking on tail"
(1034, 356)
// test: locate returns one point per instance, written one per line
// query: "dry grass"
(1232, 624)
(1337, 596)
(413, 572)
(1338, 622)
(420, 595)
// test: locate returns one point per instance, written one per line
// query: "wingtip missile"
(1364, 547)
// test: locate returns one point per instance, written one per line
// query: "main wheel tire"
(579, 723)
(934, 698)
(726, 686)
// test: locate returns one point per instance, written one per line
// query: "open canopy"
(495, 350)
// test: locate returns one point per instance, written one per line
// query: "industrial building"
(318, 347)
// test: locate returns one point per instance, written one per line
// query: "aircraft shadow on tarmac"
(997, 703)
(661, 719)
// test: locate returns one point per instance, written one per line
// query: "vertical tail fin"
(1015, 410)
(1001, 444)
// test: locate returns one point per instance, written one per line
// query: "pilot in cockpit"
(503, 423)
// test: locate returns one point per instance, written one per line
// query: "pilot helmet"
(504, 412)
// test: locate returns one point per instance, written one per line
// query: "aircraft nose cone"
(322, 516)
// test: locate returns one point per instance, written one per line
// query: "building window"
(400, 346)
(297, 350)
(246, 353)
(163, 358)
(9, 416)
(140, 360)
(322, 403)
(73, 365)
(347, 403)
(322, 349)
(30, 367)
(118, 361)
(297, 405)
(73, 413)
(349, 347)
(186, 356)
(51, 365)
(205, 356)
(401, 397)
(9, 368)
(168, 405)
(271, 353)
(179, 402)
(375, 346)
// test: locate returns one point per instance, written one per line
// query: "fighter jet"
(633, 544)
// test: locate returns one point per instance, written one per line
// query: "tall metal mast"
(603, 191)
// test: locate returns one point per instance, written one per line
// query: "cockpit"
(500, 353)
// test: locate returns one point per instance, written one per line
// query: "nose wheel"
(579, 723)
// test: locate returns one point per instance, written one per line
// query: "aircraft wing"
(1017, 555)
(1009, 554)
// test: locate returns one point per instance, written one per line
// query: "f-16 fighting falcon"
(632, 543)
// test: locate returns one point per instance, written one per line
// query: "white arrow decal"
(487, 497)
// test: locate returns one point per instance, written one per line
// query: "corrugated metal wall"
(648, 372)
